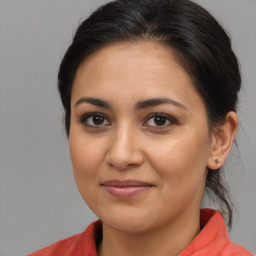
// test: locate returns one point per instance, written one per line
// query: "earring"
(217, 162)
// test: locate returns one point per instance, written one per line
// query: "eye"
(159, 120)
(94, 120)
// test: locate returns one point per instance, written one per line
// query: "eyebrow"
(139, 105)
(158, 101)
(94, 101)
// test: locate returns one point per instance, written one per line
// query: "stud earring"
(217, 162)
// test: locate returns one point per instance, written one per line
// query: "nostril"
(124, 148)
(124, 161)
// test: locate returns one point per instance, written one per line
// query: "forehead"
(138, 55)
(147, 68)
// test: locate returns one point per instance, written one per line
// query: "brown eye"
(98, 120)
(160, 120)
(95, 120)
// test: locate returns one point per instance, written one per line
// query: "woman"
(150, 91)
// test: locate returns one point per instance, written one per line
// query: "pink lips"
(127, 188)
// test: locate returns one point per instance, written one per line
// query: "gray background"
(39, 202)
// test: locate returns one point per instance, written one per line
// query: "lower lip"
(124, 192)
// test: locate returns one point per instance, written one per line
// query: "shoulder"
(84, 243)
(233, 249)
(213, 239)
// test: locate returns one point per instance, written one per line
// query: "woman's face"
(139, 137)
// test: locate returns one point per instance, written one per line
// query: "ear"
(222, 140)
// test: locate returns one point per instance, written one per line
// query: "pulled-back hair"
(201, 44)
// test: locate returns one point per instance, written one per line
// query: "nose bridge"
(123, 135)
(124, 150)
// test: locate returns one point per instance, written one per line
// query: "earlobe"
(223, 138)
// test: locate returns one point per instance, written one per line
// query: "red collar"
(212, 240)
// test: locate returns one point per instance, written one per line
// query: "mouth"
(126, 188)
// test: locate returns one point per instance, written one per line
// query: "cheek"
(86, 160)
(86, 157)
(180, 161)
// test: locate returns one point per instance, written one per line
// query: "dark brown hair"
(203, 47)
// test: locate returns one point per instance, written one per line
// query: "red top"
(212, 240)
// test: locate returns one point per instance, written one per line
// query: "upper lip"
(125, 183)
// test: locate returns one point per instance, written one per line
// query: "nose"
(125, 149)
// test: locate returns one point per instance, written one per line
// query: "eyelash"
(171, 120)
(85, 118)
(167, 118)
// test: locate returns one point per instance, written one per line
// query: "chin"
(131, 221)
(127, 225)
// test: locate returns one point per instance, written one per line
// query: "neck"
(167, 240)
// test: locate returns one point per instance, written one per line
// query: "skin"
(129, 144)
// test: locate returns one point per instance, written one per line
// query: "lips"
(126, 188)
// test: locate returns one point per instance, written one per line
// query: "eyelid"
(171, 119)
(91, 114)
